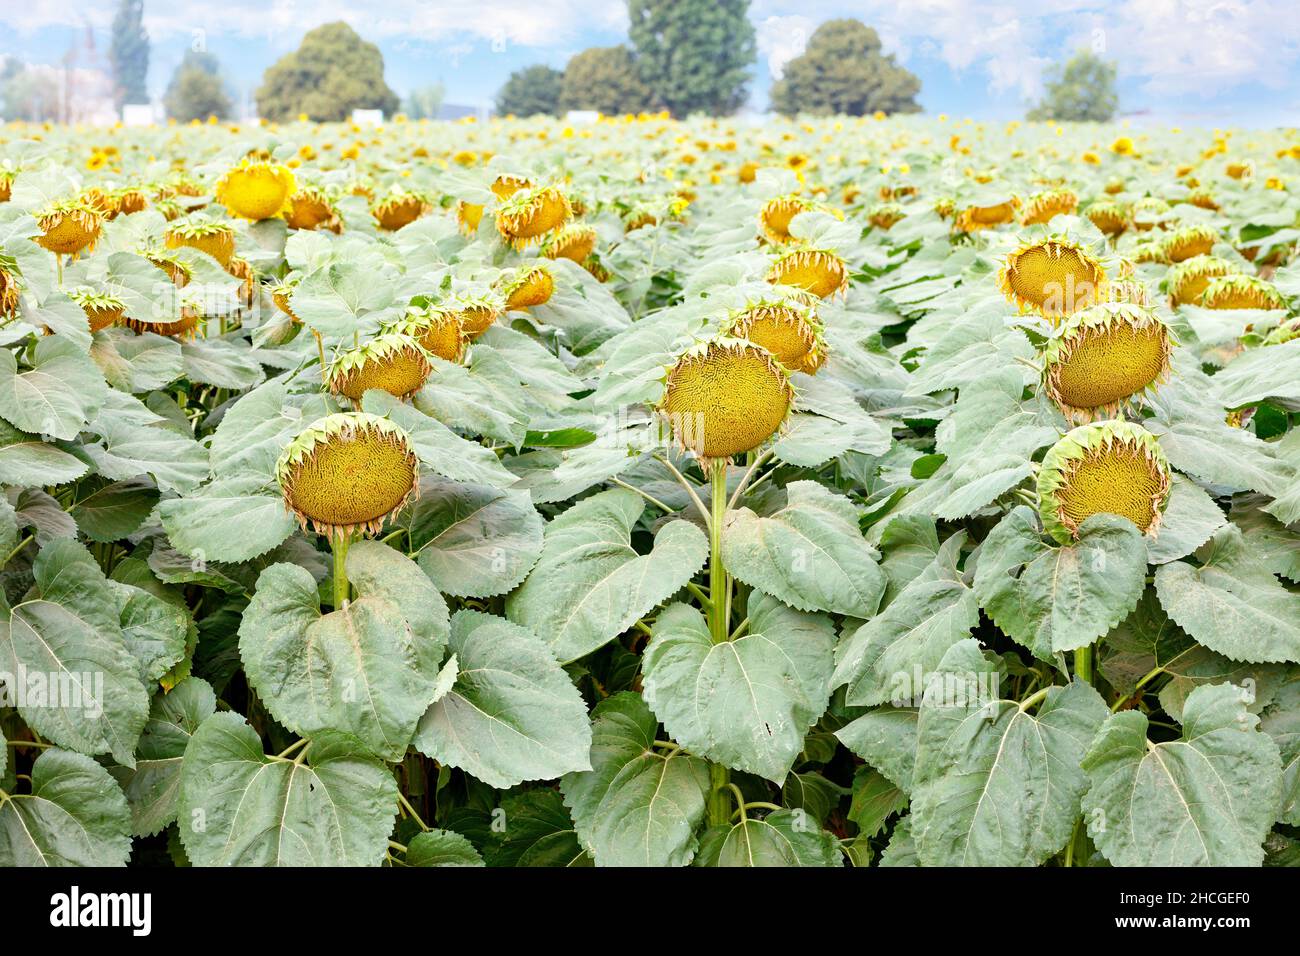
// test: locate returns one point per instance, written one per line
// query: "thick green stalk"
(1083, 664)
(342, 590)
(719, 582)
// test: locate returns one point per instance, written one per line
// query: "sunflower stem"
(1083, 664)
(342, 590)
(719, 583)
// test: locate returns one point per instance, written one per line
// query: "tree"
(332, 73)
(196, 90)
(534, 89)
(842, 70)
(1081, 90)
(129, 54)
(694, 55)
(425, 102)
(26, 94)
(605, 79)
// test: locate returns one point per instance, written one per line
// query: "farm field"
(830, 492)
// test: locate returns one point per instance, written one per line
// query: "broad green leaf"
(240, 807)
(997, 785)
(782, 838)
(75, 815)
(875, 799)
(221, 362)
(177, 462)
(590, 585)
(810, 554)
(747, 702)
(230, 519)
(441, 848)
(153, 629)
(1187, 523)
(637, 806)
(1052, 598)
(512, 714)
(885, 737)
(1206, 799)
(369, 669)
(901, 850)
(137, 363)
(440, 449)
(1281, 721)
(57, 396)
(538, 832)
(28, 461)
(254, 430)
(474, 540)
(115, 510)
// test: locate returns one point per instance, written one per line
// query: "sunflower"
(787, 328)
(102, 309)
(392, 362)
(256, 189)
(310, 208)
(400, 208)
(976, 218)
(1187, 280)
(1045, 205)
(574, 241)
(528, 288)
(1241, 292)
(1188, 242)
(69, 228)
(1105, 356)
(1110, 218)
(530, 214)
(817, 271)
(436, 329)
(214, 238)
(1053, 277)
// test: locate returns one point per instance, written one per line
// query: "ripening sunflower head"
(528, 288)
(1186, 281)
(468, 216)
(215, 238)
(281, 294)
(1241, 292)
(975, 218)
(505, 186)
(638, 217)
(725, 397)
(1189, 241)
(1053, 277)
(1111, 467)
(399, 208)
(177, 270)
(6, 184)
(1129, 291)
(574, 241)
(437, 330)
(69, 228)
(1148, 212)
(530, 214)
(819, 272)
(1043, 206)
(184, 328)
(1109, 217)
(787, 328)
(1149, 250)
(310, 208)
(774, 218)
(1104, 357)
(393, 362)
(256, 189)
(102, 309)
(1203, 200)
(347, 473)
(11, 286)
(885, 215)
(476, 313)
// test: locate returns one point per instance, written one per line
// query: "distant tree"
(842, 70)
(332, 73)
(129, 54)
(1082, 89)
(694, 55)
(605, 79)
(196, 90)
(425, 102)
(26, 94)
(532, 90)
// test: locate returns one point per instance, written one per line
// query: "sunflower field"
(840, 492)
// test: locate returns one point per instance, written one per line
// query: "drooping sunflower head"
(177, 269)
(787, 328)
(281, 294)
(1241, 292)
(11, 286)
(1183, 244)
(976, 218)
(1148, 212)
(819, 272)
(256, 189)
(215, 238)
(476, 313)
(435, 328)
(1112, 467)
(1053, 277)
(130, 200)
(945, 207)
(528, 288)
(101, 308)
(724, 397)
(70, 227)
(393, 362)
(1103, 357)
(505, 185)
(1186, 281)
(885, 215)
(311, 208)
(398, 208)
(1203, 199)
(1043, 206)
(530, 214)
(243, 270)
(574, 241)
(774, 218)
(468, 216)
(347, 473)
(1110, 218)
(186, 327)
(638, 217)
(1130, 291)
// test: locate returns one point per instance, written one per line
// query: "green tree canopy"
(196, 90)
(532, 90)
(694, 55)
(842, 70)
(1082, 89)
(425, 102)
(129, 54)
(332, 73)
(604, 79)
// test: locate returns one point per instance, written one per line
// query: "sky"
(1188, 62)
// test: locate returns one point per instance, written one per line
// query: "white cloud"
(781, 39)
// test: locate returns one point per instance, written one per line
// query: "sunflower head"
(215, 238)
(399, 208)
(184, 328)
(530, 214)
(774, 218)
(11, 286)
(1129, 291)
(1110, 218)
(638, 217)
(177, 270)
(102, 309)
(1241, 292)
(1148, 212)
(1183, 244)
(476, 313)
(787, 328)
(1043, 206)
(1112, 467)
(393, 362)
(528, 288)
(1203, 199)
(346, 473)
(1186, 281)
(885, 215)
(281, 293)
(468, 216)
(505, 186)
(724, 397)
(1104, 357)
(70, 227)
(256, 189)
(976, 218)
(1053, 277)
(819, 272)
(310, 208)
(574, 241)
(437, 330)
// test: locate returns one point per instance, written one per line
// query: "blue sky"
(1192, 62)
